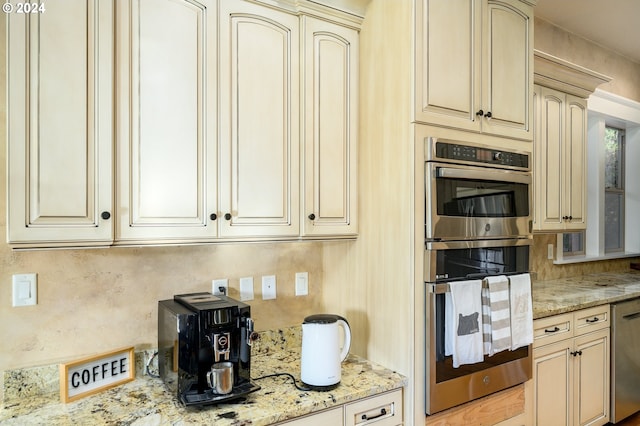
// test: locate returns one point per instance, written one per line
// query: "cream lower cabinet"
(381, 410)
(571, 368)
(60, 124)
(474, 66)
(560, 161)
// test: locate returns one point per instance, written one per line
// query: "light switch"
(246, 288)
(25, 289)
(302, 283)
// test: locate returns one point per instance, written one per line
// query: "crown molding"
(556, 73)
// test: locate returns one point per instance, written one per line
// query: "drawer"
(381, 410)
(592, 319)
(324, 418)
(552, 329)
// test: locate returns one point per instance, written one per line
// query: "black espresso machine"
(198, 332)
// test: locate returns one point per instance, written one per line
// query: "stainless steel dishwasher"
(625, 359)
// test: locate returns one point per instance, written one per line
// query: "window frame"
(607, 109)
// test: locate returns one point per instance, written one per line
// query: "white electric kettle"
(320, 367)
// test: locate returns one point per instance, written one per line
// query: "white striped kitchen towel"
(500, 313)
(521, 310)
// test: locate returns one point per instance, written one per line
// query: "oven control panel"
(475, 154)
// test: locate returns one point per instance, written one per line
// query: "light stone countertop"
(146, 401)
(571, 294)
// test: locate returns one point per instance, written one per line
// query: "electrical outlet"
(268, 287)
(550, 251)
(246, 289)
(220, 287)
(302, 283)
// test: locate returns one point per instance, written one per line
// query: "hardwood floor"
(630, 421)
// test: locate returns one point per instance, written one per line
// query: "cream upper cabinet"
(560, 159)
(474, 66)
(259, 121)
(571, 363)
(60, 142)
(208, 120)
(330, 128)
(166, 120)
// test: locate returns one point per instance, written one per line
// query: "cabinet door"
(448, 48)
(60, 85)
(575, 163)
(330, 128)
(549, 154)
(259, 127)
(167, 120)
(553, 379)
(508, 69)
(591, 379)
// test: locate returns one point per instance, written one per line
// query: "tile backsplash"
(544, 269)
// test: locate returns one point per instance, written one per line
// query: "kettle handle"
(347, 338)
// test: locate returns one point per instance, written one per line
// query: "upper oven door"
(468, 202)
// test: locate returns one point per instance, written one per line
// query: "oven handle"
(485, 174)
(467, 244)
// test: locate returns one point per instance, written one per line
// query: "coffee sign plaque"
(94, 374)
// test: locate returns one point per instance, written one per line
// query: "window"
(572, 244)
(613, 189)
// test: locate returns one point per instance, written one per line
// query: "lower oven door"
(445, 262)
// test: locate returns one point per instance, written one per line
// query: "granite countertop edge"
(146, 400)
(559, 296)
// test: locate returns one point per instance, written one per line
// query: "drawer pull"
(632, 316)
(595, 319)
(383, 411)
(554, 330)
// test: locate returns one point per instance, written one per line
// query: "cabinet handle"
(227, 216)
(383, 411)
(488, 114)
(213, 216)
(554, 330)
(105, 215)
(312, 216)
(576, 353)
(595, 319)
(480, 113)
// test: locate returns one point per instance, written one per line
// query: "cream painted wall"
(100, 299)
(558, 42)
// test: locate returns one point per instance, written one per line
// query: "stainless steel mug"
(220, 378)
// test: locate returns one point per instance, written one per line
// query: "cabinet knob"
(105, 215)
(488, 114)
(570, 218)
(312, 216)
(480, 113)
(213, 216)
(227, 216)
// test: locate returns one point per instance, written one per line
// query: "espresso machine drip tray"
(208, 397)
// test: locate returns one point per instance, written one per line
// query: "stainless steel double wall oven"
(477, 224)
